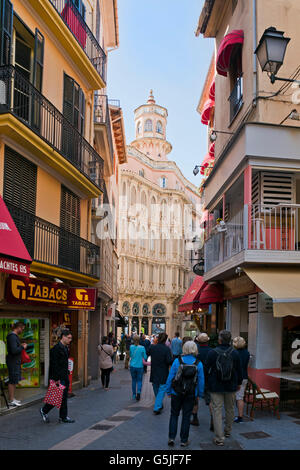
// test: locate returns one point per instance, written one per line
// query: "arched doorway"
(145, 326)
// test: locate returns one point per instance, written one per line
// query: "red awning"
(14, 257)
(211, 150)
(206, 112)
(225, 50)
(200, 294)
(212, 90)
(208, 161)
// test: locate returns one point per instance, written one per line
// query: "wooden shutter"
(70, 211)
(270, 188)
(6, 28)
(38, 61)
(20, 177)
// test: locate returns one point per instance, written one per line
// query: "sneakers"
(218, 443)
(14, 403)
(227, 434)
(44, 416)
(238, 419)
(66, 420)
(138, 397)
(157, 412)
(184, 444)
(171, 442)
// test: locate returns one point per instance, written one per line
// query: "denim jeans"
(185, 404)
(137, 379)
(159, 392)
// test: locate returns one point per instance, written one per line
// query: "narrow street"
(112, 421)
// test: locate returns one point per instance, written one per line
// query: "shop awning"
(200, 294)
(206, 112)
(208, 161)
(14, 257)
(280, 283)
(212, 90)
(225, 50)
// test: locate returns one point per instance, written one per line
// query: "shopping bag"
(54, 394)
(24, 357)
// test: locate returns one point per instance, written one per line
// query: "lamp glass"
(271, 50)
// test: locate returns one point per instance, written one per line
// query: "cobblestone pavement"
(113, 421)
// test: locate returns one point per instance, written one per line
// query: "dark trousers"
(63, 411)
(105, 377)
(185, 404)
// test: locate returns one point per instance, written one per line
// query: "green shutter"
(38, 63)
(6, 27)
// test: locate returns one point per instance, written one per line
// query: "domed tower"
(150, 130)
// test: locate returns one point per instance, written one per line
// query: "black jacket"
(14, 349)
(214, 385)
(58, 369)
(146, 343)
(161, 359)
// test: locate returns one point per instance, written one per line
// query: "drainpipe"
(255, 78)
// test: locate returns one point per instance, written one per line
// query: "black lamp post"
(270, 53)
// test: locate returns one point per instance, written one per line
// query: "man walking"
(224, 379)
(59, 372)
(161, 359)
(176, 346)
(13, 361)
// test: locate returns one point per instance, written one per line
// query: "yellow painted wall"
(48, 197)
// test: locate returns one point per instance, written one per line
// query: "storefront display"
(158, 326)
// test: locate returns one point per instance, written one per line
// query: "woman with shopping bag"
(57, 394)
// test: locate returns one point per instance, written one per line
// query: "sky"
(159, 50)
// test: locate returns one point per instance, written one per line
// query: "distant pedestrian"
(59, 372)
(114, 343)
(137, 353)
(203, 350)
(146, 343)
(240, 345)
(13, 361)
(161, 359)
(106, 352)
(224, 379)
(128, 343)
(187, 377)
(176, 346)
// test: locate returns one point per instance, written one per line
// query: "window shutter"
(70, 211)
(38, 62)
(6, 28)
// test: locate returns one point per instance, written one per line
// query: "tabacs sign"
(35, 292)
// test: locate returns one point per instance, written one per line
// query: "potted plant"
(221, 226)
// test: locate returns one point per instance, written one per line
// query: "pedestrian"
(240, 345)
(176, 346)
(146, 343)
(59, 372)
(13, 361)
(137, 354)
(106, 353)
(187, 377)
(114, 343)
(128, 342)
(161, 359)
(203, 350)
(168, 343)
(224, 379)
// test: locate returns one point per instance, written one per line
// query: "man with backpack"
(224, 379)
(185, 383)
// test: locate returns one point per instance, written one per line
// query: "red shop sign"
(10, 266)
(82, 298)
(34, 292)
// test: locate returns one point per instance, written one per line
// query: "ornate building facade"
(159, 212)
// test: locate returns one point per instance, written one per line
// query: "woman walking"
(106, 352)
(137, 354)
(188, 378)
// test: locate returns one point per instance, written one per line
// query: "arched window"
(138, 127)
(163, 182)
(148, 126)
(159, 127)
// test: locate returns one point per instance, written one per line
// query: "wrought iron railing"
(47, 243)
(101, 116)
(23, 100)
(236, 98)
(84, 36)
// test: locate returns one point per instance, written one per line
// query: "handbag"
(54, 394)
(24, 357)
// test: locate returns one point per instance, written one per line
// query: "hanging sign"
(82, 298)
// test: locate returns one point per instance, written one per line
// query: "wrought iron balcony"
(84, 36)
(101, 116)
(23, 100)
(50, 244)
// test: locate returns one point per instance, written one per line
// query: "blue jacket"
(176, 346)
(189, 359)
(137, 353)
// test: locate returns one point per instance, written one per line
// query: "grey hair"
(190, 347)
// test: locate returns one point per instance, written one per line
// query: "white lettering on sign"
(4, 226)
(296, 355)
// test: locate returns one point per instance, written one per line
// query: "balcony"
(103, 125)
(21, 99)
(54, 246)
(256, 234)
(236, 98)
(82, 33)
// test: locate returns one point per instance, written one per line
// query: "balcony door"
(69, 239)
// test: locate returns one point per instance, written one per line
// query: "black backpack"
(224, 364)
(186, 378)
